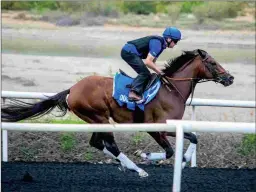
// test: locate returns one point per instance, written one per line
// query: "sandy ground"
(39, 73)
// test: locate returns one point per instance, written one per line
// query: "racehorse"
(91, 100)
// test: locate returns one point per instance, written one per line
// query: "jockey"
(148, 48)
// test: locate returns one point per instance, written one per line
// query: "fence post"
(193, 118)
(4, 141)
(5, 145)
(178, 159)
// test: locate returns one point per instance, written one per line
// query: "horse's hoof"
(143, 173)
(183, 165)
(161, 162)
(137, 153)
(122, 168)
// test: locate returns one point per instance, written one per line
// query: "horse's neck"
(184, 87)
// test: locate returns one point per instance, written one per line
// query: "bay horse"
(91, 100)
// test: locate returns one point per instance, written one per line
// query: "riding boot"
(138, 86)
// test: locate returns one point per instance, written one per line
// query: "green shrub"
(161, 7)
(216, 10)
(103, 8)
(6, 5)
(21, 5)
(138, 138)
(174, 11)
(88, 156)
(200, 13)
(248, 145)
(142, 8)
(28, 5)
(220, 10)
(70, 6)
(67, 141)
(188, 6)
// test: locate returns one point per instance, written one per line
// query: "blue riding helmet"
(172, 32)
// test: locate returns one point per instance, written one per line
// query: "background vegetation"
(201, 10)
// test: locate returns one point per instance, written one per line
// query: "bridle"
(167, 80)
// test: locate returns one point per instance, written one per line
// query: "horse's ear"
(201, 53)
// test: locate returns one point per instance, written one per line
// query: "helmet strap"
(168, 43)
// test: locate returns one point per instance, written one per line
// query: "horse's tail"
(18, 110)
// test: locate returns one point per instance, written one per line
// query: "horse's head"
(211, 69)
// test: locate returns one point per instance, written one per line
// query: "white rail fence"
(171, 125)
(195, 102)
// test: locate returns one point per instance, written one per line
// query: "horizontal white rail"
(171, 126)
(214, 126)
(86, 127)
(195, 101)
(26, 95)
(189, 126)
(177, 126)
(221, 103)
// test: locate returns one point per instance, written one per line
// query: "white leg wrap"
(153, 156)
(125, 161)
(107, 152)
(189, 152)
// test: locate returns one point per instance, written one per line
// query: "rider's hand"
(161, 74)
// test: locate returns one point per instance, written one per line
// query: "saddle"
(121, 87)
(153, 79)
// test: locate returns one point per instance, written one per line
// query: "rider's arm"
(150, 63)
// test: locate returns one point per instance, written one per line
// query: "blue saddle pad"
(121, 92)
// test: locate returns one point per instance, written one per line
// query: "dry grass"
(27, 20)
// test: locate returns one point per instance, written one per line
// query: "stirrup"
(134, 99)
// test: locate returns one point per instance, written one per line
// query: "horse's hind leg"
(104, 141)
(110, 148)
(98, 140)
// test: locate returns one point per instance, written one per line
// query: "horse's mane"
(173, 65)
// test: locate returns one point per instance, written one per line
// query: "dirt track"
(78, 177)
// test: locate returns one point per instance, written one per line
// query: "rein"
(167, 81)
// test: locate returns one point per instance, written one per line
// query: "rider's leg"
(164, 143)
(140, 81)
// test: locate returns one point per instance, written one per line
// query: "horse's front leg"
(191, 148)
(161, 139)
